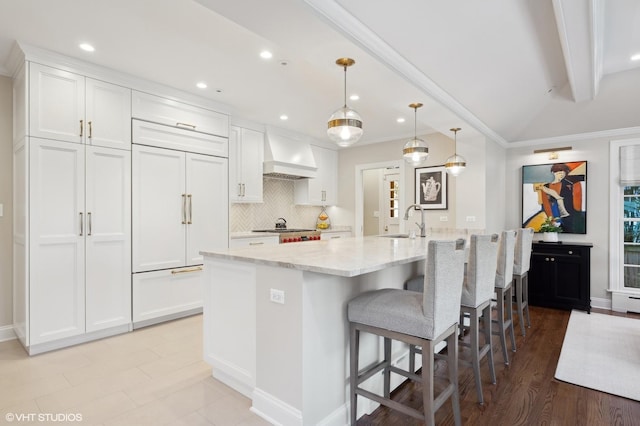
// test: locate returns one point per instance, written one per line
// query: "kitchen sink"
(394, 235)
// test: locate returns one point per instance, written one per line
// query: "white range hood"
(288, 158)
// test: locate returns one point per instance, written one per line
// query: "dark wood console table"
(559, 276)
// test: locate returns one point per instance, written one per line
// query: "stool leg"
(517, 280)
(500, 312)
(387, 371)
(427, 383)
(525, 296)
(475, 352)
(486, 315)
(509, 323)
(354, 347)
(452, 361)
(412, 358)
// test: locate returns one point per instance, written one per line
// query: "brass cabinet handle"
(89, 223)
(184, 209)
(186, 271)
(193, 126)
(324, 195)
(90, 130)
(190, 210)
(256, 244)
(81, 127)
(81, 227)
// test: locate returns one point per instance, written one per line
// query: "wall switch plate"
(1, 210)
(276, 296)
(444, 218)
(471, 218)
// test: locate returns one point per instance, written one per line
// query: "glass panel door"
(631, 224)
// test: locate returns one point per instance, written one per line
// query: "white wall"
(596, 153)
(6, 228)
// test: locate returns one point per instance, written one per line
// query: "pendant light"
(456, 163)
(345, 125)
(415, 151)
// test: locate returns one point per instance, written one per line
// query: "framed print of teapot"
(431, 187)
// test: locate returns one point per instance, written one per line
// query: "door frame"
(359, 191)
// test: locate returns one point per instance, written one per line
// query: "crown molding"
(578, 137)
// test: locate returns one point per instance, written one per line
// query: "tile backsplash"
(278, 202)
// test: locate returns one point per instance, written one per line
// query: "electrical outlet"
(277, 296)
(471, 218)
(444, 218)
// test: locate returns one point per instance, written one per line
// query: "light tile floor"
(152, 376)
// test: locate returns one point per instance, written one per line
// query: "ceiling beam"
(580, 29)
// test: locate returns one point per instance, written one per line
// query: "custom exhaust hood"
(288, 158)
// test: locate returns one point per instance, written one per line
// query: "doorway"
(379, 198)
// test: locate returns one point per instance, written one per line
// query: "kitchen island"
(275, 320)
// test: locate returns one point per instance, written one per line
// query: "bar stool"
(477, 292)
(504, 293)
(522, 262)
(416, 319)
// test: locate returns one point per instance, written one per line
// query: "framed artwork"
(556, 190)
(431, 187)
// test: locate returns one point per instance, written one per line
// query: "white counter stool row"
(416, 319)
(521, 265)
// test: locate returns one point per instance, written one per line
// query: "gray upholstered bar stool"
(421, 319)
(522, 262)
(477, 292)
(504, 293)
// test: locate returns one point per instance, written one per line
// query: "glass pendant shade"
(345, 125)
(416, 151)
(456, 163)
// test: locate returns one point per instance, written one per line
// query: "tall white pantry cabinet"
(72, 204)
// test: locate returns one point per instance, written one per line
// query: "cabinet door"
(108, 115)
(158, 208)
(56, 104)
(235, 164)
(56, 239)
(321, 190)
(108, 238)
(252, 156)
(207, 205)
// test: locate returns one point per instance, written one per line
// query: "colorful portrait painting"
(557, 190)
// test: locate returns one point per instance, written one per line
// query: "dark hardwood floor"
(526, 392)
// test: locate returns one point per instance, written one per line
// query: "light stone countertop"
(347, 257)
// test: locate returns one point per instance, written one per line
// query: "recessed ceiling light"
(400, 120)
(284, 117)
(87, 47)
(636, 57)
(201, 85)
(265, 54)
(354, 97)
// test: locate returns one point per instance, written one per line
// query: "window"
(631, 236)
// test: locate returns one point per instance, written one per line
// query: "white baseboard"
(274, 410)
(601, 303)
(6, 333)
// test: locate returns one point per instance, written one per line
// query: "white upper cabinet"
(323, 189)
(177, 114)
(246, 155)
(70, 107)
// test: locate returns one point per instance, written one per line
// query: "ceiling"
(509, 70)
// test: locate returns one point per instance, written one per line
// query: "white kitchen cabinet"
(69, 107)
(253, 241)
(153, 134)
(169, 112)
(323, 189)
(180, 206)
(332, 235)
(246, 155)
(79, 240)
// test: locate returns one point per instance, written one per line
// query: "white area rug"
(602, 352)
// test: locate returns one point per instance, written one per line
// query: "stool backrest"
(480, 277)
(444, 273)
(524, 240)
(504, 271)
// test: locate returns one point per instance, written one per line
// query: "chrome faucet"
(422, 225)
